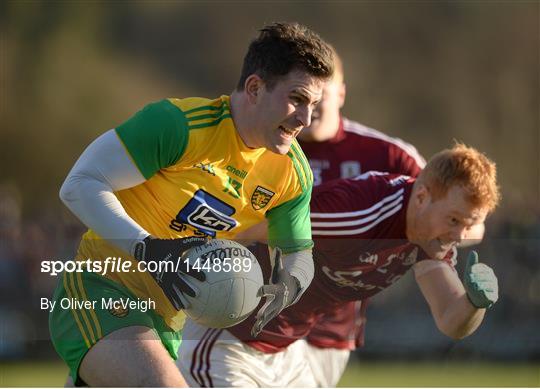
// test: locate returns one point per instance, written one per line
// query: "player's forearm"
(88, 191)
(460, 319)
(454, 314)
(300, 265)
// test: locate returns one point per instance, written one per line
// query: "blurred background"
(425, 71)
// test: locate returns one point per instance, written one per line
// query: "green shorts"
(75, 327)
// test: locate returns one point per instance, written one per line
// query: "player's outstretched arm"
(458, 308)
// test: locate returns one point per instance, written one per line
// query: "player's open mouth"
(287, 133)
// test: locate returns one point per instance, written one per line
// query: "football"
(229, 293)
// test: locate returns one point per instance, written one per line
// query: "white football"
(229, 293)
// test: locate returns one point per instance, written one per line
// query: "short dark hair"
(283, 47)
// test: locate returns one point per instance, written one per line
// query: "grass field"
(357, 374)
(441, 374)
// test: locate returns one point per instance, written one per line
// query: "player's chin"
(280, 148)
(439, 254)
(436, 250)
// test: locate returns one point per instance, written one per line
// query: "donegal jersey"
(360, 249)
(203, 180)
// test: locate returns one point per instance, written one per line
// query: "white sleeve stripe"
(358, 230)
(371, 173)
(359, 221)
(357, 128)
(327, 215)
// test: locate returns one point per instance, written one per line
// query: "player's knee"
(131, 356)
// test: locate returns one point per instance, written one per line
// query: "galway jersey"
(356, 149)
(201, 179)
(360, 248)
(353, 150)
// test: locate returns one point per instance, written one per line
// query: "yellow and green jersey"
(202, 179)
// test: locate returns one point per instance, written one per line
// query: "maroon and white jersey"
(357, 149)
(360, 249)
(354, 150)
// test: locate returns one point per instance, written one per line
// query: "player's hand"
(480, 282)
(279, 294)
(171, 279)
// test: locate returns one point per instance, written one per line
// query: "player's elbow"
(454, 330)
(65, 191)
(69, 191)
(453, 333)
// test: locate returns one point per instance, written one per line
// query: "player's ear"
(342, 94)
(421, 195)
(252, 88)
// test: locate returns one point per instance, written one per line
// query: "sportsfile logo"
(207, 213)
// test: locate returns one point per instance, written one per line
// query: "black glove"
(171, 276)
(279, 294)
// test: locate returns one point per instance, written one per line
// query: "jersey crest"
(260, 197)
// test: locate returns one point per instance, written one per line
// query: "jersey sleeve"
(155, 137)
(289, 225)
(405, 160)
(353, 207)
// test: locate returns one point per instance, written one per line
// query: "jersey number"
(233, 187)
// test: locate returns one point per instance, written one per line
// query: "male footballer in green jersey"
(177, 173)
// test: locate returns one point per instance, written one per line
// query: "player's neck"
(241, 119)
(410, 216)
